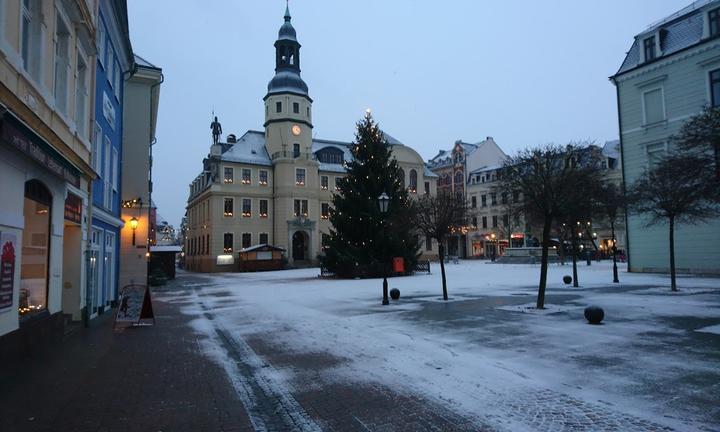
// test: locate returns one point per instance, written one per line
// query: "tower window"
(278, 107)
(308, 112)
(296, 108)
(296, 150)
(300, 176)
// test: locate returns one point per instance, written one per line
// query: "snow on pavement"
(645, 368)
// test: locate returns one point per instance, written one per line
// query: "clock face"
(296, 130)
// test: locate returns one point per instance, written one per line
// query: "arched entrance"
(34, 271)
(299, 246)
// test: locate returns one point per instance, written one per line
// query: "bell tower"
(288, 106)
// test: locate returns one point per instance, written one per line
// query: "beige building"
(47, 57)
(275, 187)
(142, 93)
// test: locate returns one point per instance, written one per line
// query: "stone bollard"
(395, 294)
(594, 314)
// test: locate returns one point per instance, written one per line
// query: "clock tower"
(288, 140)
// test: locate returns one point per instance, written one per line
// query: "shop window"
(35, 248)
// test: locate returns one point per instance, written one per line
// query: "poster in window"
(8, 243)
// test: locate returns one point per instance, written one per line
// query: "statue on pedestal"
(216, 128)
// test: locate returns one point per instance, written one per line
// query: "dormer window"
(649, 48)
(714, 22)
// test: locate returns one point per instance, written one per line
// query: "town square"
(326, 216)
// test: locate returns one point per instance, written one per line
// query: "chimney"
(231, 139)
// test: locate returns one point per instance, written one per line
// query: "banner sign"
(7, 269)
(73, 208)
(135, 306)
(18, 139)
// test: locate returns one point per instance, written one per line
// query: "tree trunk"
(673, 284)
(614, 253)
(544, 263)
(574, 259)
(562, 248)
(441, 252)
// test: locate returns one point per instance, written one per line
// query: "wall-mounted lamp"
(133, 227)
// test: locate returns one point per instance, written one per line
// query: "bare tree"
(610, 202)
(437, 217)
(700, 137)
(675, 190)
(511, 208)
(550, 178)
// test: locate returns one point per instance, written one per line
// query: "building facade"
(113, 62)
(142, 93)
(46, 81)
(670, 74)
(276, 187)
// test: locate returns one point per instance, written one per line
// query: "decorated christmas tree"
(364, 240)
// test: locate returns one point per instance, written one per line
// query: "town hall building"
(275, 187)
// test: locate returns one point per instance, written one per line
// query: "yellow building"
(275, 187)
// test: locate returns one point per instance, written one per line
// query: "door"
(298, 246)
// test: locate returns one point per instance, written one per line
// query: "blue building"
(114, 62)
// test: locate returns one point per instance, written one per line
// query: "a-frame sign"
(135, 307)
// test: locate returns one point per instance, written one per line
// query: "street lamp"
(384, 201)
(494, 255)
(133, 227)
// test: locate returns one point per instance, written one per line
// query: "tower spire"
(287, 10)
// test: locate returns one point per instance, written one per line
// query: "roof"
(679, 31)
(249, 149)
(428, 173)
(612, 149)
(486, 168)
(262, 246)
(144, 63)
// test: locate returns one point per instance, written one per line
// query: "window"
(36, 242)
(263, 177)
(504, 198)
(484, 221)
(459, 178)
(427, 188)
(413, 181)
(246, 176)
(263, 238)
(324, 182)
(307, 112)
(228, 207)
(506, 221)
(325, 212)
(495, 221)
(493, 199)
(81, 97)
(263, 208)
(325, 240)
(101, 41)
(474, 221)
(483, 200)
(115, 169)
(246, 240)
(246, 207)
(649, 48)
(96, 148)
(110, 65)
(331, 156)
(473, 201)
(116, 83)
(301, 208)
(296, 150)
(278, 107)
(653, 106)
(337, 183)
(655, 152)
(428, 243)
(228, 243)
(715, 88)
(228, 175)
(31, 35)
(300, 176)
(714, 22)
(296, 108)
(62, 64)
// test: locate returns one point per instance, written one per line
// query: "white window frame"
(62, 64)
(657, 144)
(662, 99)
(81, 94)
(226, 214)
(31, 17)
(116, 86)
(304, 176)
(266, 234)
(101, 42)
(97, 147)
(230, 180)
(246, 214)
(109, 69)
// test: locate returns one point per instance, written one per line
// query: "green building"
(671, 73)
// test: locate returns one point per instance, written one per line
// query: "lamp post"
(495, 244)
(133, 227)
(384, 201)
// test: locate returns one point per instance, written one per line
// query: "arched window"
(413, 181)
(35, 248)
(402, 178)
(459, 177)
(445, 180)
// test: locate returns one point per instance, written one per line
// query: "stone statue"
(216, 130)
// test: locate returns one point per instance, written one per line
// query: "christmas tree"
(364, 240)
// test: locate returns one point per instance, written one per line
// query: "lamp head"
(133, 223)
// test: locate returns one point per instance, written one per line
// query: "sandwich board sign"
(135, 307)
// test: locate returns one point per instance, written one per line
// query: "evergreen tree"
(363, 240)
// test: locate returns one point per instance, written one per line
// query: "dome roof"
(287, 81)
(287, 31)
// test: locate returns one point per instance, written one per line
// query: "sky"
(525, 72)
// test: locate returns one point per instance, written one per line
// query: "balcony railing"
(292, 155)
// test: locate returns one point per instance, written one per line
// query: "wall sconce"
(133, 227)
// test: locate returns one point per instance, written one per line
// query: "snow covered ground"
(655, 362)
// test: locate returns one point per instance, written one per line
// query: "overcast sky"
(525, 72)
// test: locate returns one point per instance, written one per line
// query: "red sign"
(398, 265)
(73, 208)
(7, 269)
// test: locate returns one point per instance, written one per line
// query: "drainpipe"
(153, 141)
